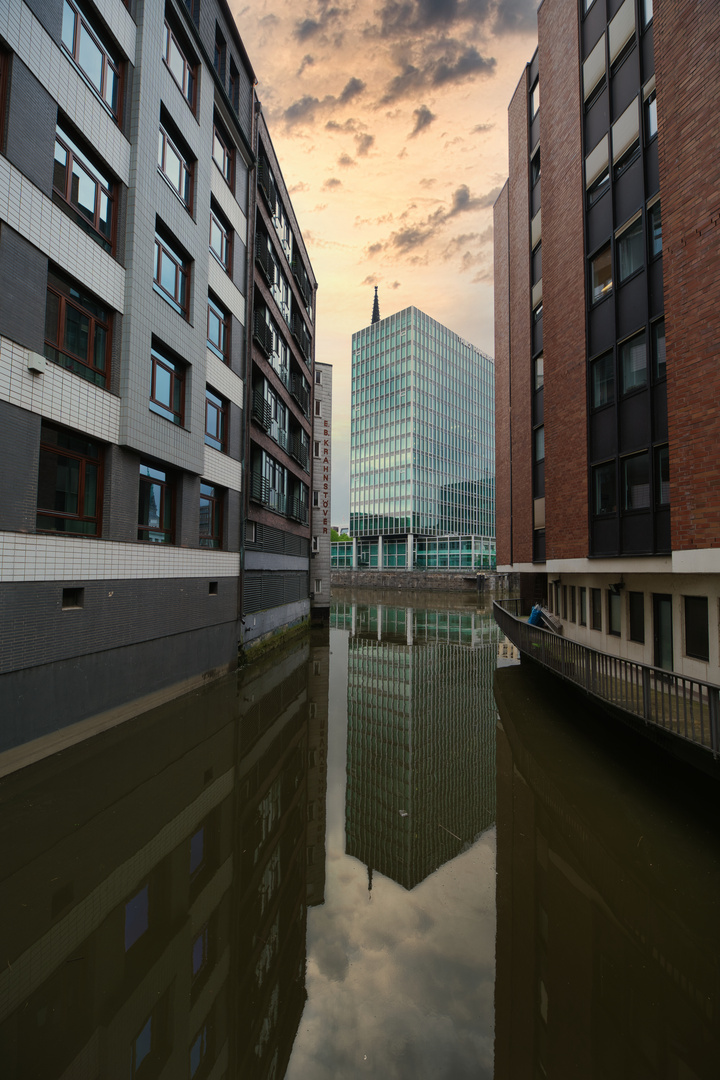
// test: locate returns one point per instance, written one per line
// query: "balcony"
(297, 510)
(263, 334)
(261, 410)
(266, 184)
(264, 260)
(299, 451)
(298, 389)
(261, 492)
(301, 335)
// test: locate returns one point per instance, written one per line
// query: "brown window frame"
(177, 376)
(225, 262)
(47, 447)
(163, 250)
(157, 477)
(109, 61)
(225, 321)
(214, 402)
(187, 89)
(214, 496)
(226, 155)
(103, 186)
(62, 289)
(187, 169)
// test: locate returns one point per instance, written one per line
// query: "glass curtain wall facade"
(422, 431)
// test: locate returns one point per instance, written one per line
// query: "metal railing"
(683, 706)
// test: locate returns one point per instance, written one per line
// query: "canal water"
(385, 849)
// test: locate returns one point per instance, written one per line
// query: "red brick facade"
(565, 406)
(687, 40)
(520, 328)
(503, 473)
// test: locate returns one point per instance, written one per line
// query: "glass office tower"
(422, 440)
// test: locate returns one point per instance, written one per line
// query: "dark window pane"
(603, 381)
(633, 363)
(604, 489)
(697, 643)
(630, 250)
(658, 332)
(197, 850)
(662, 476)
(636, 609)
(136, 917)
(636, 482)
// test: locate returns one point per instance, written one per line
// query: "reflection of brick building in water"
(607, 929)
(153, 890)
(421, 739)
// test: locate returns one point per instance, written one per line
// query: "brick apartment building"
(126, 297)
(606, 315)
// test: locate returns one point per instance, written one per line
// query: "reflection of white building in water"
(421, 736)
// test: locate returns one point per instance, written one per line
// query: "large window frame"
(633, 363)
(221, 242)
(222, 153)
(156, 491)
(99, 67)
(74, 174)
(184, 73)
(171, 276)
(601, 275)
(216, 417)
(697, 636)
(630, 250)
(72, 316)
(218, 330)
(176, 168)
(211, 516)
(167, 387)
(75, 462)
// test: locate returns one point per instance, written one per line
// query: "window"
(220, 54)
(636, 613)
(572, 603)
(597, 175)
(318, 408)
(198, 1050)
(83, 190)
(222, 152)
(662, 476)
(655, 229)
(614, 606)
(534, 99)
(602, 375)
(316, 449)
(197, 852)
(210, 515)
(621, 32)
(142, 1046)
(596, 600)
(200, 952)
(539, 378)
(636, 482)
(540, 443)
(658, 347)
(647, 6)
(69, 483)
(582, 596)
(182, 71)
(220, 241)
(535, 167)
(315, 546)
(234, 87)
(155, 510)
(171, 276)
(626, 138)
(216, 410)
(316, 498)
(77, 329)
(630, 256)
(318, 378)
(318, 585)
(537, 313)
(594, 72)
(633, 363)
(697, 643)
(650, 108)
(167, 387)
(601, 270)
(96, 62)
(218, 333)
(136, 917)
(175, 167)
(604, 489)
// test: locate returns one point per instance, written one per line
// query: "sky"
(389, 119)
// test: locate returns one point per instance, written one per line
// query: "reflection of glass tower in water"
(421, 739)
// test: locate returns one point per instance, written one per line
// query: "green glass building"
(422, 465)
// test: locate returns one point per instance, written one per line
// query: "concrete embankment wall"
(488, 581)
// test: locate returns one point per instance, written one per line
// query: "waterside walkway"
(683, 707)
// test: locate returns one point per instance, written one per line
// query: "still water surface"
(359, 857)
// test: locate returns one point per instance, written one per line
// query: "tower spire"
(376, 308)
